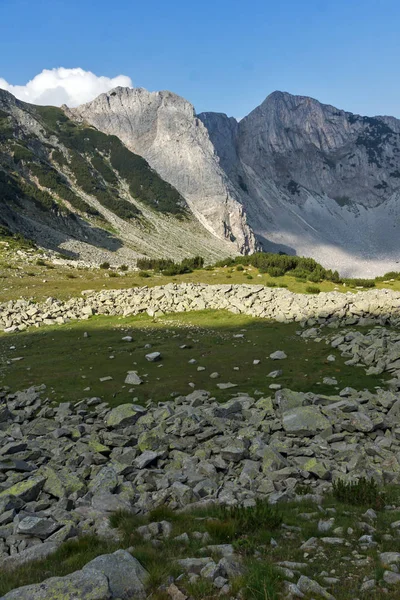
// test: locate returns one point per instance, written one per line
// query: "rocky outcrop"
(332, 308)
(163, 128)
(187, 450)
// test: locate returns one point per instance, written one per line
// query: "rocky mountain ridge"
(306, 177)
(294, 176)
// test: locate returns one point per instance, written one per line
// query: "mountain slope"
(72, 188)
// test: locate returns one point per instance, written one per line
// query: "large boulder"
(27, 490)
(124, 415)
(85, 585)
(126, 576)
(304, 420)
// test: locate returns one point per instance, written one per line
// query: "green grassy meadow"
(68, 363)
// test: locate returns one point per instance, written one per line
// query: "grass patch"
(70, 557)
(262, 582)
(72, 363)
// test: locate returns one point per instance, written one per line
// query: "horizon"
(225, 57)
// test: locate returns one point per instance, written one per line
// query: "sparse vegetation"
(313, 289)
(83, 142)
(359, 282)
(245, 520)
(277, 265)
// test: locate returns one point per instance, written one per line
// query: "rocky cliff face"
(298, 142)
(316, 180)
(163, 128)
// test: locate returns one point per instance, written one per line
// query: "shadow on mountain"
(53, 230)
(268, 246)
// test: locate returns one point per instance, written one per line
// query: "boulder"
(133, 378)
(37, 527)
(126, 576)
(26, 490)
(124, 415)
(304, 421)
(82, 585)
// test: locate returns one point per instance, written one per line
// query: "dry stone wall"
(333, 308)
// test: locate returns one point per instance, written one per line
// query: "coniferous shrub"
(363, 492)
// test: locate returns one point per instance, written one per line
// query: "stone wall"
(362, 308)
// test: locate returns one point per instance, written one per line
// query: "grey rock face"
(156, 233)
(305, 176)
(163, 128)
(313, 179)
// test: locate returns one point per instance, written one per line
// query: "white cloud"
(64, 86)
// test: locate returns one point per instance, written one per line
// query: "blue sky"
(223, 55)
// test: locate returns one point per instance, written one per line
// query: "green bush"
(249, 276)
(90, 182)
(21, 153)
(103, 168)
(275, 272)
(124, 268)
(144, 274)
(240, 268)
(390, 275)
(279, 264)
(50, 178)
(364, 492)
(155, 264)
(313, 289)
(105, 265)
(245, 546)
(59, 157)
(226, 262)
(222, 532)
(366, 283)
(169, 267)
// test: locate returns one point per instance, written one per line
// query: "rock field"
(65, 469)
